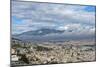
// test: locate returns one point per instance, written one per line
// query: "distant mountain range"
(45, 34)
(37, 34)
(41, 32)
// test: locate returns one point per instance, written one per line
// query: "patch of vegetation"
(16, 46)
(89, 49)
(42, 48)
(24, 59)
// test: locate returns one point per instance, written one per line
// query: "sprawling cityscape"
(50, 33)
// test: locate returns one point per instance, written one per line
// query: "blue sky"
(90, 8)
(28, 16)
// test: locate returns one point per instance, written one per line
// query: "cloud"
(33, 16)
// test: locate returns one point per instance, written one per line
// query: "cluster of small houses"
(16, 52)
(29, 54)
